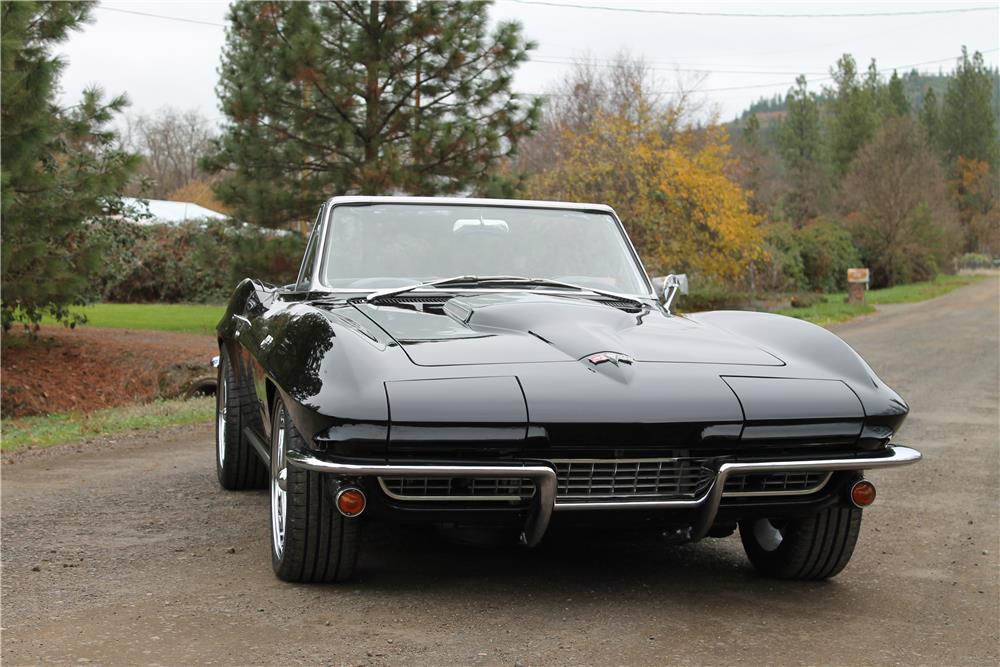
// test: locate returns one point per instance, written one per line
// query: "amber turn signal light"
(351, 501)
(862, 493)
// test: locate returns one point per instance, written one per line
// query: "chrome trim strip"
(799, 492)
(545, 479)
(667, 460)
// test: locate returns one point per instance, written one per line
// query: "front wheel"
(310, 540)
(814, 547)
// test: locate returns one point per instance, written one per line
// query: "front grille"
(665, 479)
(609, 479)
(776, 483)
(457, 488)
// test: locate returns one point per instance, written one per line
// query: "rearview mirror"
(667, 287)
(479, 225)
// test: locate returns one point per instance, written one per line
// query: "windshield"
(391, 245)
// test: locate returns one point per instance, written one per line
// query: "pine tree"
(751, 131)
(60, 167)
(800, 143)
(930, 119)
(334, 97)
(968, 124)
(854, 107)
(896, 102)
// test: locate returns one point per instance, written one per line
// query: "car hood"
(523, 327)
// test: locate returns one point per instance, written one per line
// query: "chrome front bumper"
(544, 501)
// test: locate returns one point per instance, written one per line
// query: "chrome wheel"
(768, 535)
(279, 475)
(221, 410)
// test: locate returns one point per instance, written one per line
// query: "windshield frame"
(336, 202)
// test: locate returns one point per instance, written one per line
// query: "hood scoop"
(526, 327)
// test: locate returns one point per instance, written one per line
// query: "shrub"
(827, 252)
(196, 262)
(972, 261)
(712, 296)
(807, 300)
(782, 268)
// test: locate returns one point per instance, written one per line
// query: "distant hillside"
(772, 109)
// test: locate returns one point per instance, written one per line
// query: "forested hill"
(915, 85)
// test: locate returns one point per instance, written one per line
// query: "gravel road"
(129, 553)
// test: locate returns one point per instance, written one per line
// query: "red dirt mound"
(88, 369)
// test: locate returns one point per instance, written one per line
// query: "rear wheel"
(310, 540)
(814, 547)
(236, 463)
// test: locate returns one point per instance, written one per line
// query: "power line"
(159, 16)
(665, 67)
(772, 85)
(756, 15)
(552, 59)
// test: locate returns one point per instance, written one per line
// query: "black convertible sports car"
(505, 365)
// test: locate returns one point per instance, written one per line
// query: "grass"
(834, 309)
(189, 318)
(54, 429)
(930, 289)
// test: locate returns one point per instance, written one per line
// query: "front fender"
(818, 353)
(328, 369)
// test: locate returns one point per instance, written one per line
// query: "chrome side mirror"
(667, 287)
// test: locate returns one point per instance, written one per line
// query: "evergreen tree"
(896, 102)
(751, 130)
(335, 97)
(800, 144)
(930, 119)
(854, 107)
(968, 123)
(60, 167)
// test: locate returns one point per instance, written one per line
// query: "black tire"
(319, 544)
(236, 463)
(810, 548)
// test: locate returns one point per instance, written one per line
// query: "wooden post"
(857, 283)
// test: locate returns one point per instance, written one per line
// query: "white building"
(171, 212)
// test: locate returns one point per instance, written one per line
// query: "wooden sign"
(857, 276)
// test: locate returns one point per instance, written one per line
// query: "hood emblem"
(615, 358)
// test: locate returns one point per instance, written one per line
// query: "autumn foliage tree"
(666, 182)
(898, 207)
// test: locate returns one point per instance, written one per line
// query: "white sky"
(162, 62)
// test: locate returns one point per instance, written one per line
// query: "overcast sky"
(161, 62)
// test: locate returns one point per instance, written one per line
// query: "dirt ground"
(129, 553)
(89, 368)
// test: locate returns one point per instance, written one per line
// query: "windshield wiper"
(391, 291)
(515, 280)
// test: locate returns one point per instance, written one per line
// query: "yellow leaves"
(199, 192)
(670, 189)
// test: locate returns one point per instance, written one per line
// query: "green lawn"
(54, 429)
(834, 309)
(191, 318)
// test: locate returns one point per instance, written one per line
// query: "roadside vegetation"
(47, 430)
(833, 308)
